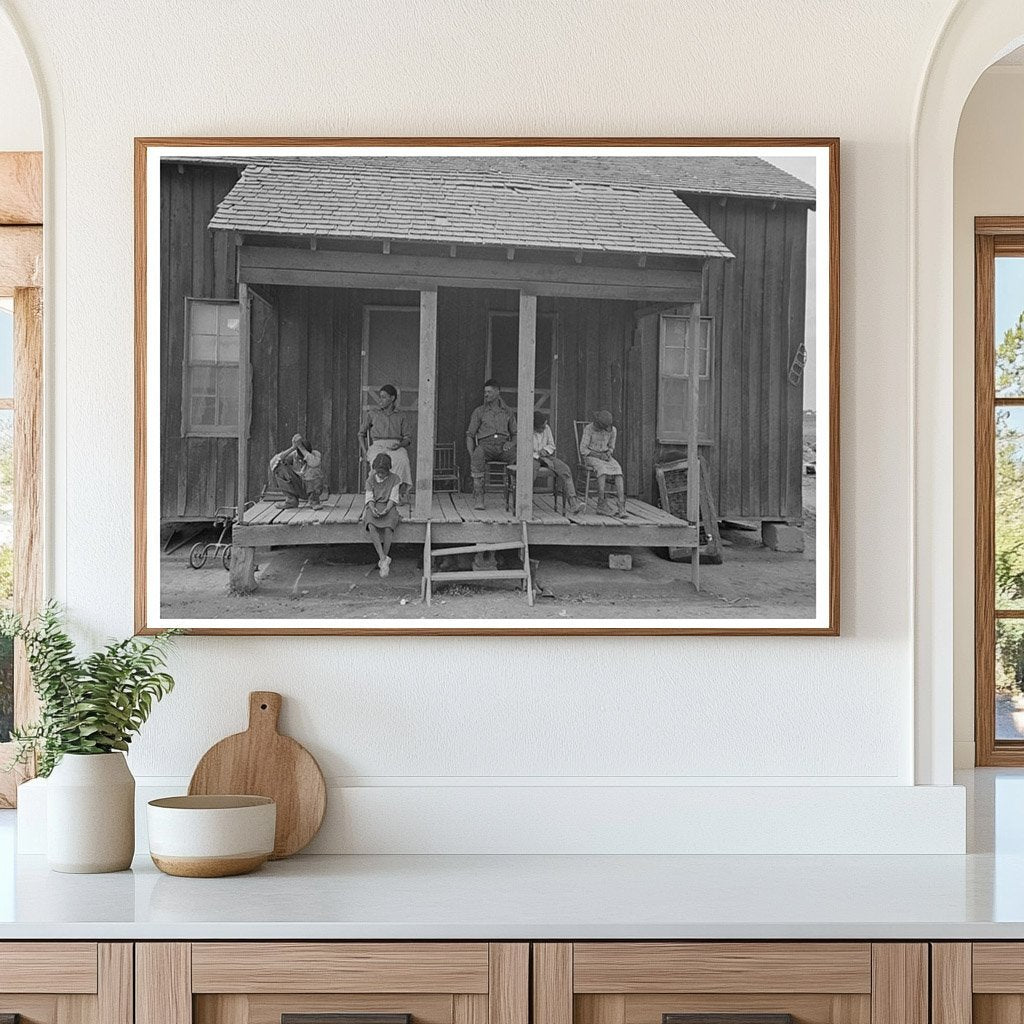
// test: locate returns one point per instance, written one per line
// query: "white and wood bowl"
(211, 836)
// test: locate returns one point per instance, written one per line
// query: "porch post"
(427, 416)
(692, 448)
(524, 411)
(244, 398)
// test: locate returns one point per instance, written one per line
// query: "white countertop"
(977, 896)
(517, 897)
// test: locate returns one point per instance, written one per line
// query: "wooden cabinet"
(977, 983)
(759, 982)
(306, 982)
(66, 982)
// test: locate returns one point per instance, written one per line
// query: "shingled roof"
(432, 199)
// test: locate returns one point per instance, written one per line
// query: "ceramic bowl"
(211, 836)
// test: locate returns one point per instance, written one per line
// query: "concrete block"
(782, 537)
(620, 561)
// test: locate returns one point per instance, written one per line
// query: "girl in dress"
(380, 513)
(597, 446)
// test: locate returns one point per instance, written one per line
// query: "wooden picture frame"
(543, 277)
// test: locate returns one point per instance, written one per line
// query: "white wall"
(987, 181)
(21, 126)
(430, 716)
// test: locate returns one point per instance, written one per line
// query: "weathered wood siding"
(757, 301)
(197, 473)
(307, 345)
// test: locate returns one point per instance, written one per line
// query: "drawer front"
(332, 983)
(64, 967)
(66, 982)
(730, 983)
(340, 967)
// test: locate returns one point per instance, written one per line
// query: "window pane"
(1009, 679)
(1009, 510)
(204, 412)
(6, 355)
(204, 380)
(1009, 323)
(228, 350)
(227, 395)
(6, 567)
(204, 348)
(203, 318)
(228, 317)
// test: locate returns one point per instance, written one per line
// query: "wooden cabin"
(327, 266)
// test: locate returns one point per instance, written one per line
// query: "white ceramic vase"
(90, 814)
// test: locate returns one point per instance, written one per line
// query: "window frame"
(993, 237)
(705, 437)
(188, 428)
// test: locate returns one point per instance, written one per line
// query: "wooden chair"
(541, 473)
(585, 476)
(494, 476)
(446, 470)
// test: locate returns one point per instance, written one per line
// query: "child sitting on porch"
(597, 448)
(298, 471)
(544, 455)
(380, 513)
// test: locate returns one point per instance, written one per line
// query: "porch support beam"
(244, 398)
(692, 448)
(524, 411)
(427, 416)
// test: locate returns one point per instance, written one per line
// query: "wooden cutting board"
(262, 762)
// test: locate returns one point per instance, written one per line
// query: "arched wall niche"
(975, 35)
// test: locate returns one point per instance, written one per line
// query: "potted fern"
(90, 708)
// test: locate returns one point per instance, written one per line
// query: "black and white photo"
(456, 387)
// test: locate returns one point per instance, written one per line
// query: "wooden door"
(391, 355)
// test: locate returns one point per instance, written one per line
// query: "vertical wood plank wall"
(198, 473)
(757, 302)
(307, 341)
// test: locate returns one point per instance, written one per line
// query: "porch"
(454, 521)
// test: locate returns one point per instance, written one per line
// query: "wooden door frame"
(993, 236)
(21, 277)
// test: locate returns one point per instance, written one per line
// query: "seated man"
(298, 471)
(490, 437)
(544, 455)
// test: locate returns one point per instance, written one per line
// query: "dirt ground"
(574, 582)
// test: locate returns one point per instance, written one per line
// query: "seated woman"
(380, 512)
(385, 429)
(597, 448)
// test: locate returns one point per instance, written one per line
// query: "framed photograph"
(565, 386)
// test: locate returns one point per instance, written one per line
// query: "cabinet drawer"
(730, 983)
(332, 983)
(66, 982)
(65, 967)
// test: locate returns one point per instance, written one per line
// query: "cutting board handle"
(264, 710)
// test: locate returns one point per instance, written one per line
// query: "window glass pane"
(6, 354)
(1009, 323)
(228, 349)
(204, 412)
(204, 380)
(1009, 679)
(203, 318)
(1009, 511)
(204, 348)
(228, 316)
(6, 567)
(227, 395)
